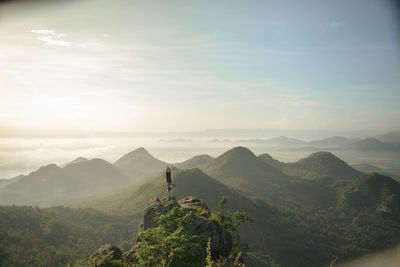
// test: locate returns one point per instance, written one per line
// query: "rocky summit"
(105, 250)
(221, 239)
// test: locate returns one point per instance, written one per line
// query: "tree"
(231, 222)
(172, 242)
(169, 244)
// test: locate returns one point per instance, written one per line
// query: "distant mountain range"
(389, 144)
(373, 145)
(325, 164)
(52, 185)
(139, 164)
(195, 162)
(239, 162)
(281, 141)
(372, 191)
(284, 141)
(238, 167)
(393, 172)
(77, 160)
(278, 182)
(332, 143)
(319, 164)
(391, 137)
(271, 161)
(5, 182)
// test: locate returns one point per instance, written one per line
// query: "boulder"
(107, 249)
(130, 257)
(193, 203)
(153, 210)
(221, 239)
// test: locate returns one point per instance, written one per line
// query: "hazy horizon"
(23, 155)
(133, 73)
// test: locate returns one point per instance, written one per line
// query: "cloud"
(50, 41)
(49, 32)
(46, 32)
(51, 37)
(303, 103)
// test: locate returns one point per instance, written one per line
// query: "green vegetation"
(198, 161)
(303, 227)
(51, 185)
(57, 236)
(324, 164)
(170, 244)
(306, 221)
(231, 222)
(107, 260)
(239, 162)
(271, 161)
(371, 191)
(175, 242)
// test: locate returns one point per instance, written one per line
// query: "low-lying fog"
(23, 155)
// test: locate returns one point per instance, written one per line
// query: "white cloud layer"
(50, 41)
(51, 37)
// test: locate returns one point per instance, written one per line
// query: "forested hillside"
(298, 221)
(57, 236)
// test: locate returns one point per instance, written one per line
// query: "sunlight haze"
(143, 66)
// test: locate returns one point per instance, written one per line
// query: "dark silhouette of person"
(168, 175)
(169, 181)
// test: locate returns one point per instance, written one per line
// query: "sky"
(144, 66)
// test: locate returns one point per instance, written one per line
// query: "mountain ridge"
(373, 191)
(324, 163)
(139, 164)
(52, 185)
(372, 145)
(194, 162)
(239, 162)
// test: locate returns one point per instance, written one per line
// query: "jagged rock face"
(221, 239)
(192, 203)
(153, 210)
(106, 250)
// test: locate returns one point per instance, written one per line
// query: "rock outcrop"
(193, 203)
(153, 210)
(221, 239)
(106, 250)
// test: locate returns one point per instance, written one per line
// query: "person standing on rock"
(169, 181)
